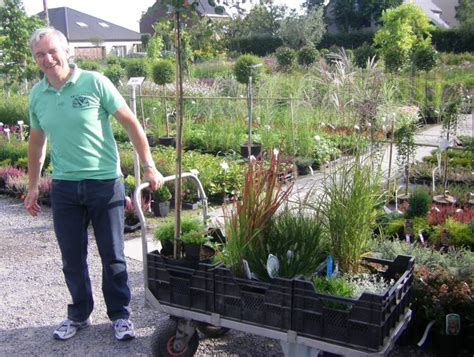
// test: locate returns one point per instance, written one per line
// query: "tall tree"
(356, 14)
(404, 29)
(15, 30)
(465, 14)
(297, 31)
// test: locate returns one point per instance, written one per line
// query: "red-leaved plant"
(440, 213)
(248, 216)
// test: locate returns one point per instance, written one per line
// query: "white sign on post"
(135, 81)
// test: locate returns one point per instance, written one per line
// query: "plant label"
(453, 324)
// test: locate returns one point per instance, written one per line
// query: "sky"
(118, 12)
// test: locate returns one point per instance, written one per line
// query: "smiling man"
(70, 109)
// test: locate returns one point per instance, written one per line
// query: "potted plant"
(404, 137)
(348, 205)
(193, 235)
(250, 215)
(161, 201)
(247, 71)
(164, 72)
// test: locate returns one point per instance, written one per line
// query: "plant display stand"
(289, 310)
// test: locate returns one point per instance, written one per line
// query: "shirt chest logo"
(79, 101)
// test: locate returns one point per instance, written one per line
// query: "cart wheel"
(163, 338)
(211, 331)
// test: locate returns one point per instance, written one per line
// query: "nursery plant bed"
(293, 305)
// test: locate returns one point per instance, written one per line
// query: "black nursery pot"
(192, 251)
(255, 150)
(167, 141)
(160, 209)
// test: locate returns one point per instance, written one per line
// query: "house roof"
(432, 10)
(78, 26)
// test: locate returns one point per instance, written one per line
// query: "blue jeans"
(75, 204)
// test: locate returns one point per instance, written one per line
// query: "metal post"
(136, 162)
(179, 130)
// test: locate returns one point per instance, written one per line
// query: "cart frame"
(292, 343)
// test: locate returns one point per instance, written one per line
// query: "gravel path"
(33, 299)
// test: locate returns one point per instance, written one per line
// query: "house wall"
(129, 47)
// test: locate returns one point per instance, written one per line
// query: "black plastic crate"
(260, 303)
(363, 323)
(180, 283)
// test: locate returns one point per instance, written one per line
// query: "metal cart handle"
(139, 211)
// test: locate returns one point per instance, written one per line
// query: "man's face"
(51, 57)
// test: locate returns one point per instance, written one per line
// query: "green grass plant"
(295, 237)
(349, 203)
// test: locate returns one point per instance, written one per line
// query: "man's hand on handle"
(154, 177)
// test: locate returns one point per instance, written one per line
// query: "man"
(70, 108)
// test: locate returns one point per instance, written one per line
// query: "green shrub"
(166, 230)
(14, 108)
(212, 69)
(459, 234)
(110, 60)
(243, 70)
(137, 67)
(307, 55)
(89, 65)
(285, 56)
(259, 45)
(363, 53)
(114, 72)
(163, 72)
(353, 39)
(453, 40)
(162, 194)
(419, 203)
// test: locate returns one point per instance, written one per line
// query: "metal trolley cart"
(209, 298)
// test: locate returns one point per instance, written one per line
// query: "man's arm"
(136, 134)
(36, 156)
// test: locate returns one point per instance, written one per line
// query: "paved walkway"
(428, 135)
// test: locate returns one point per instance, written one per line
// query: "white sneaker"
(68, 328)
(123, 329)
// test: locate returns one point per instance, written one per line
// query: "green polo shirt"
(75, 119)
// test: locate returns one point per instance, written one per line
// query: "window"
(82, 24)
(119, 51)
(103, 24)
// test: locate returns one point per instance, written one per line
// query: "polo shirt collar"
(76, 71)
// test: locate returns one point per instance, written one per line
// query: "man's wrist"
(149, 164)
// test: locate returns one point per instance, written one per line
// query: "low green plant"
(89, 64)
(192, 230)
(307, 55)
(285, 57)
(337, 286)
(459, 258)
(13, 108)
(295, 237)
(243, 69)
(114, 72)
(162, 194)
(459, 234)
(419, 203)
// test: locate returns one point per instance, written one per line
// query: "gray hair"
(47, 31)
